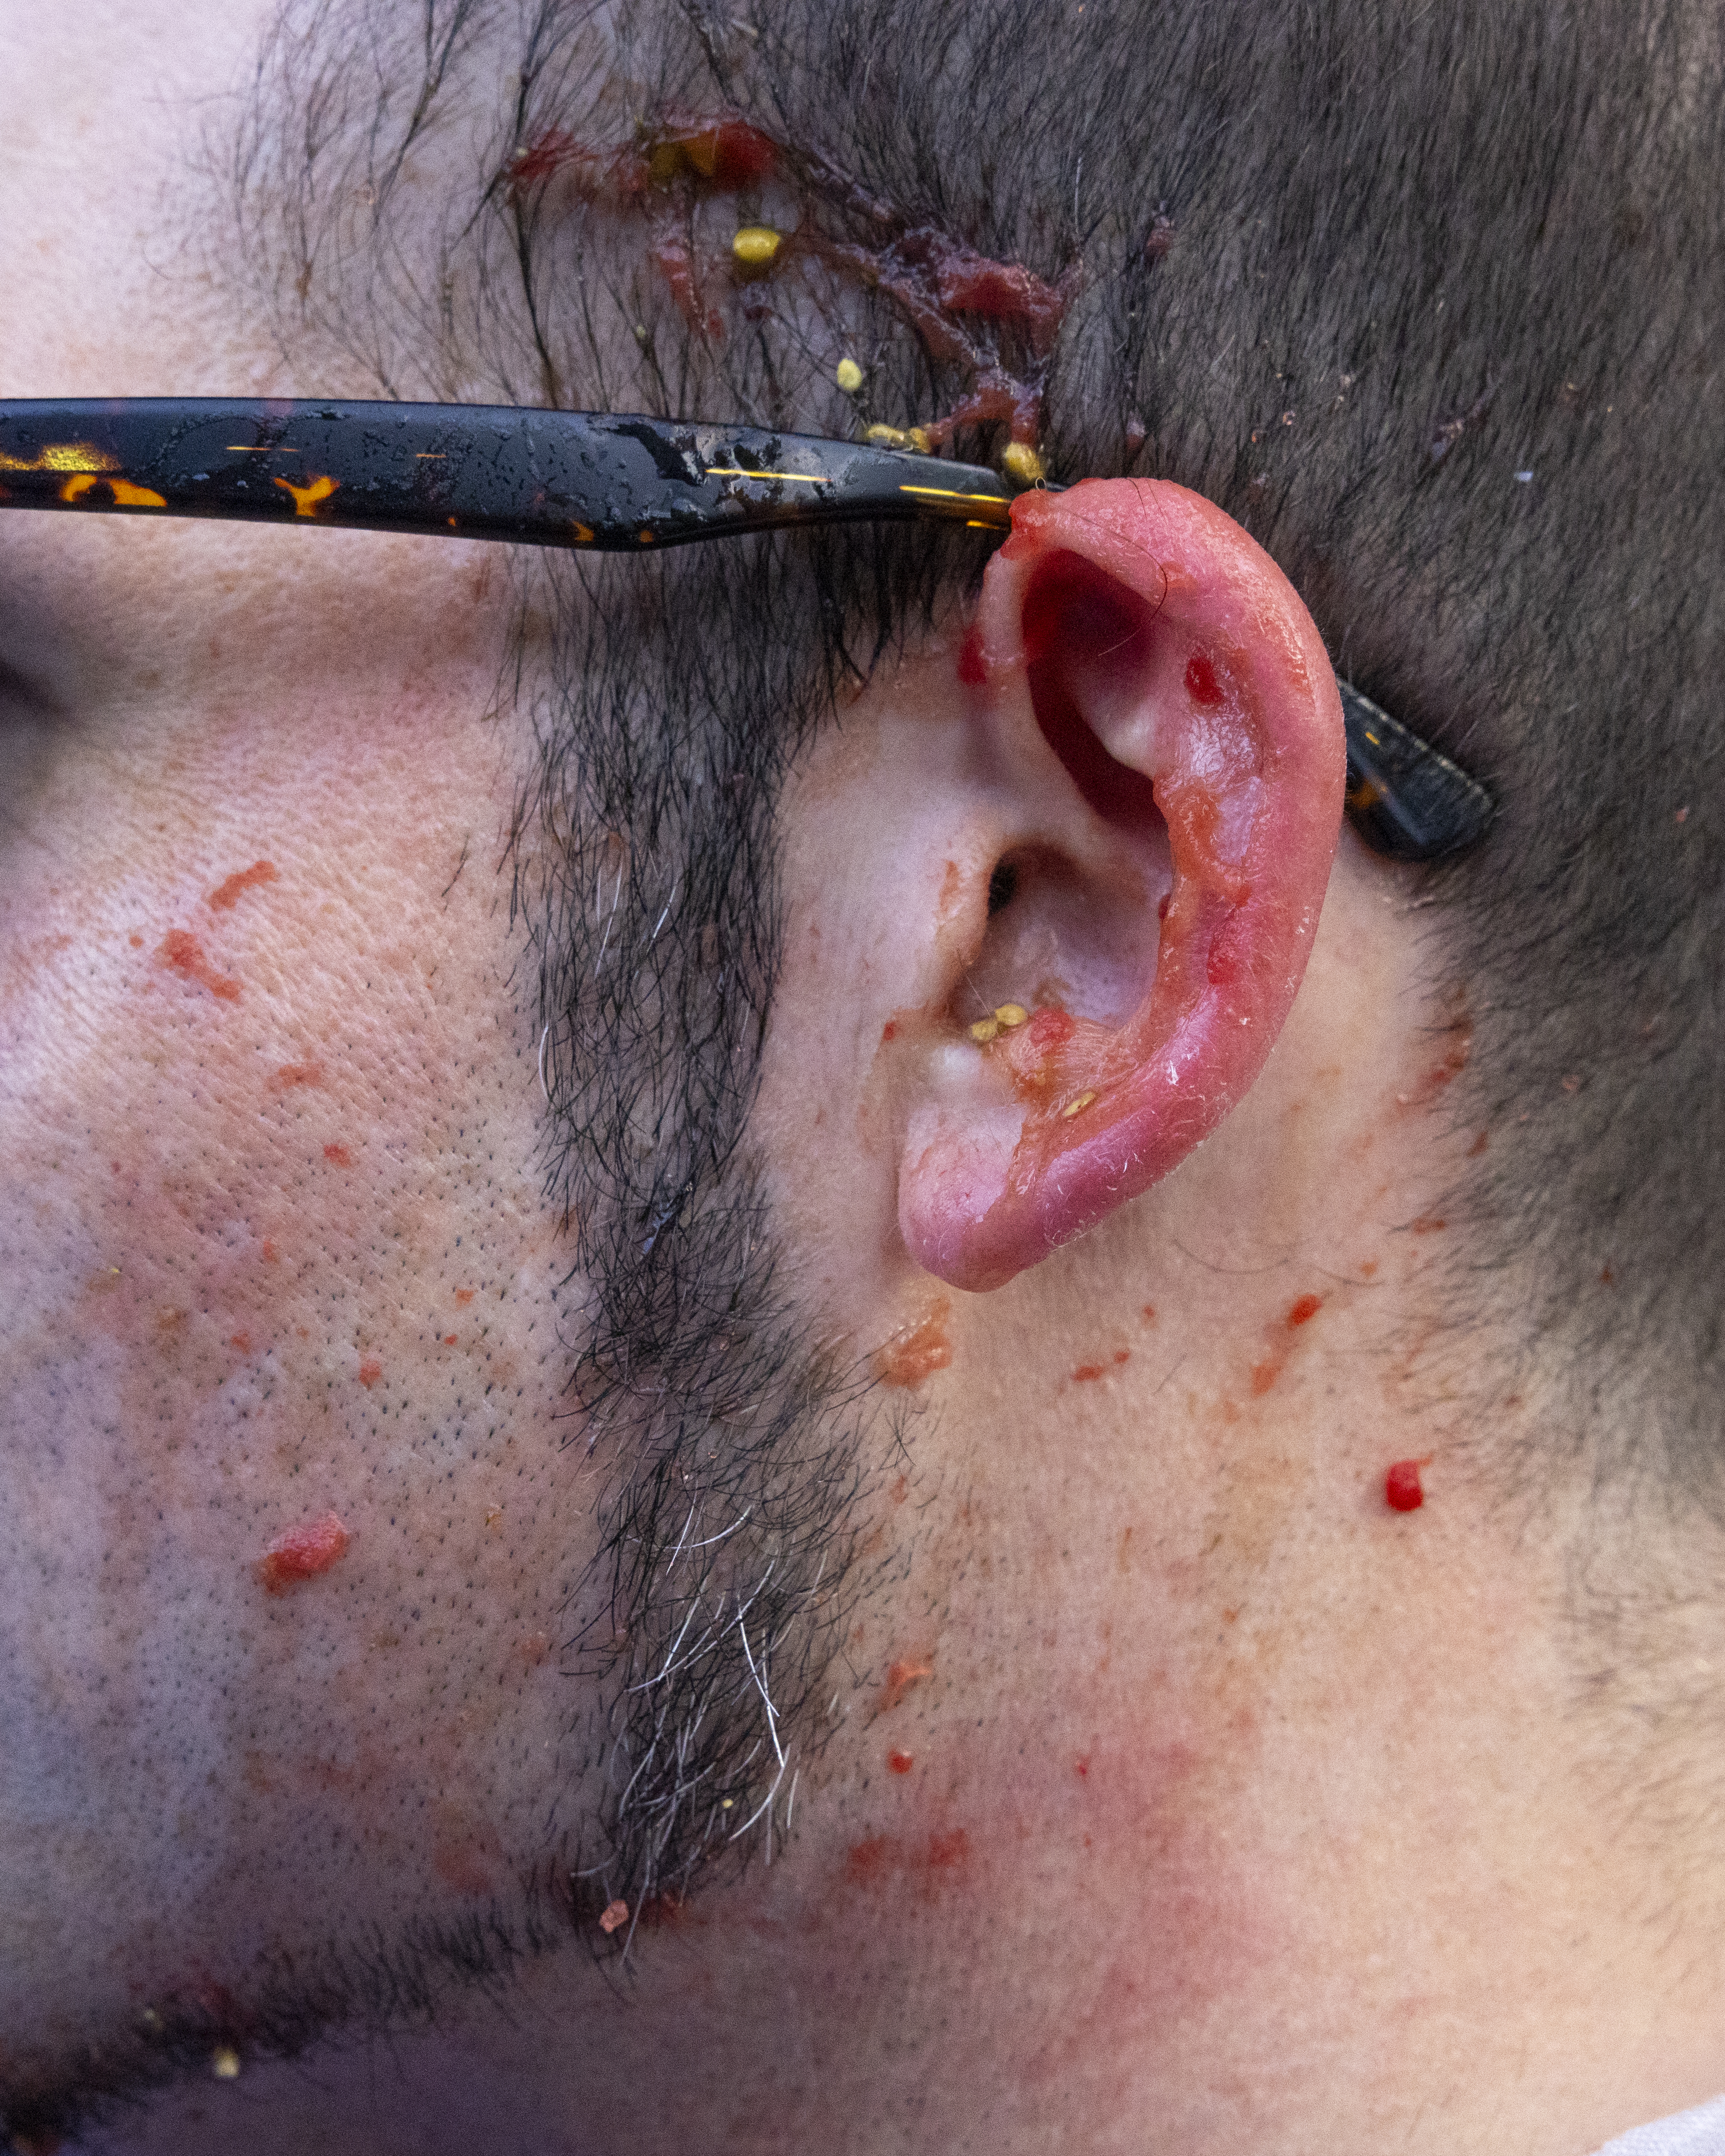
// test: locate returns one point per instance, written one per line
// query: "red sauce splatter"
(865, 1860)
(227, 895)
(1402, 1492)
(243, 1341)
(449, 1340)
(295, 1073)
(889, 1031)
(900, 1490)
(272, 1256)
(183, 953)
(465, 1295)
(670, 256)
(915, 1355)
(973, 667)
(1430, 1223)
(1440, 1075)
(369, 1373)
(869, 1862)
(1369, 1268)
(899, 1762)
(136, 942)
(1202, 685)
(1087, 1373)
(1082, 1766)
(1303, 1312)
(1122, 1355)
(303, 1553)
(1264, 1376)
(900, 1677)
(338, 1156)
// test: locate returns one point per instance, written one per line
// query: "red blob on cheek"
(1402, 1492)
(225, 896)
(338, 1156)
(899, 1762)
(302, 1554)
(369, 1373)
(183, 954)
(1304, 1311)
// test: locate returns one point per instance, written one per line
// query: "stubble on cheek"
(274, 1254)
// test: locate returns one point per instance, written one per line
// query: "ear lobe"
(1172, 668)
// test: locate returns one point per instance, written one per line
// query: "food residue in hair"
(303, 1553)
(901, 1676)
(914, 1355)
(614, 1916)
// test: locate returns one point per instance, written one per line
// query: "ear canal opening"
(1087, 642)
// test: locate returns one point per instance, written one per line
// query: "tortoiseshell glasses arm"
(595, 482)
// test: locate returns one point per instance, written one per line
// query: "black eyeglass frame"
(592, 482)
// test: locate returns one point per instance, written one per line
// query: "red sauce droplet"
(303, 1553)
(243, 1341)
(272, 1256)
(900, 1677)
(449, 1340)
(295, 1073)
(183, 953)
(227, 895)
(136, 942)
(338, 1156)
(1264, 1376)
(1087, 1373)
(917, 1354)
(1430, 1223)
(1402, 1492)
(973, 667)
(1303, 1312)
(1202, 685)
(899, 1762)
(866, 1859)
(889, 1031)
(464, 1295)
(1083, 1767)
(1607, 1277)
(369, 1373)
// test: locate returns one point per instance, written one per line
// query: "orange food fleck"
(295, 1073)
(464, 1295)
(899, 1762)
(1430, 1223)
(338, 1156)
(183, 954)
(1122, 1355)
(915, 1355)
(1149, 1313)
(900, 1677)
(449, 1340)
(369, 1373)
(303, 1553)
(1369, 1268)
(243, 1341)
(1264, 1376)
(272, 1256)
(227, 895)
(306, 498)
(615, 1917)
(1302, 1312)
(1087, 1373)
(136, 942)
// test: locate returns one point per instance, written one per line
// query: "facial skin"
(1180, 1794)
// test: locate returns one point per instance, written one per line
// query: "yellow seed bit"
(756, 245)
(848, 377)
(985, 1030)
(1021, 463)
(1011, 1014)
(224, 2063)
(880, 437)
(1073, 1107)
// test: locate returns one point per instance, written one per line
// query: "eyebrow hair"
(600, 482)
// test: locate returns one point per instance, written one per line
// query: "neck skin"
(1241, 1812)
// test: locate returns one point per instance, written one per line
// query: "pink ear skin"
(1174, 670)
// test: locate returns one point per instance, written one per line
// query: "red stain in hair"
(182, 952)
(302, 1554)
(901, 1676)
(916, 1354)
(670, 255)
(338, 1156)
(973, 667)
(1202, 685)
(899, 1762)
(465, 1295)
(369, 1373)
(295, 1073)
(1433, 1081)
(1402, 1490)
(1479, 1145)
(227, 895)
(1303, 1312)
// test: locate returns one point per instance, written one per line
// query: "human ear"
(1141, 659)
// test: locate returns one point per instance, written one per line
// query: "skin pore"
(1177, 1791)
